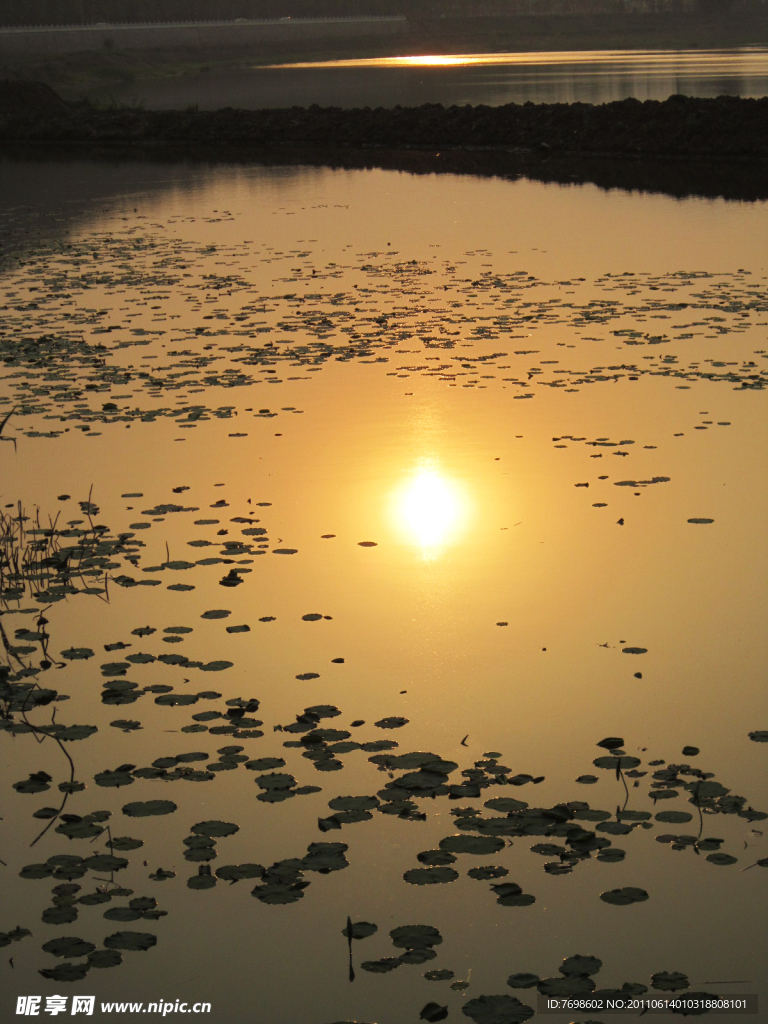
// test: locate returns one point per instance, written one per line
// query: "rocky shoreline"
(723, 128)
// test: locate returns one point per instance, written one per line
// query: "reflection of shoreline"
(742, 180)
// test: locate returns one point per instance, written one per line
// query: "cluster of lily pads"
(61, 352)
(412, 777)
(575, 978)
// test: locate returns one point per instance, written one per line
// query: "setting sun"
(430, 508)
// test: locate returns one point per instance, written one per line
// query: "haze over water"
(467, 467)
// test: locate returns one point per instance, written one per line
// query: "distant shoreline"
(98, 72)
(726, 128)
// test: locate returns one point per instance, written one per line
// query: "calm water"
(499, 446)
(563, 77)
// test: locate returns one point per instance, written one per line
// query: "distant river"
(587, 76)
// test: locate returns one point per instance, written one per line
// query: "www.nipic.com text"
(32, 1006)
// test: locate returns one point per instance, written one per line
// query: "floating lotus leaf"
(69, 946)
(633, 650)
(105, 862)
(721, 859)
(433, 1012)
(759, 736)
(126, 724)
(38, 782)
(66, 972)
(435, 857)
(122, 914)
(623, 761)
(669, 981)
(506, 804)
(103, 958)
(173, 700)
(36, 871)
(587, 780)
(417, 956)
(673, 817)
(614, 828)
(488, 872)
(133, 941)
(497, 1010)
(113, 778)
(353, 803)
(578, 965)
(701, 522)
(79, 829)
(415, 936)
(391, 723)
(548, 849)
(148, 808)
(325, 857)
(77, 653)
(75, 732)
(623, 897)
(214, 829)
(523, 980)
(611, 855)
(93, 899)
(161, 875)
(569, 986)
(430, 876)
(383, 966)
(442, 975)
(523, 899)
(482, 845)
(275, 780)
(59, 915)
(611, 743)
(237, 872)
(359, 930)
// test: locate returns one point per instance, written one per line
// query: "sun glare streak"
(430, 509)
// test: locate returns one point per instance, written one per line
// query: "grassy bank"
(722, 128)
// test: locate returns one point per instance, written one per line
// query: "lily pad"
(415, 936)
(359, 930)
(433, 1012)
(623, 897)
(482, 845)
(578, 965)
(103, 958)
(66, 972)
(487, 872)
(69, 946)
(133, 941)
(497, 1010)
(149, 808)
(669, 981)
(430, 876)
(383, 966)
(215, 829)
(523, 980)
(721, 859)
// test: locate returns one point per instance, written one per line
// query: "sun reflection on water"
(430, 509)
